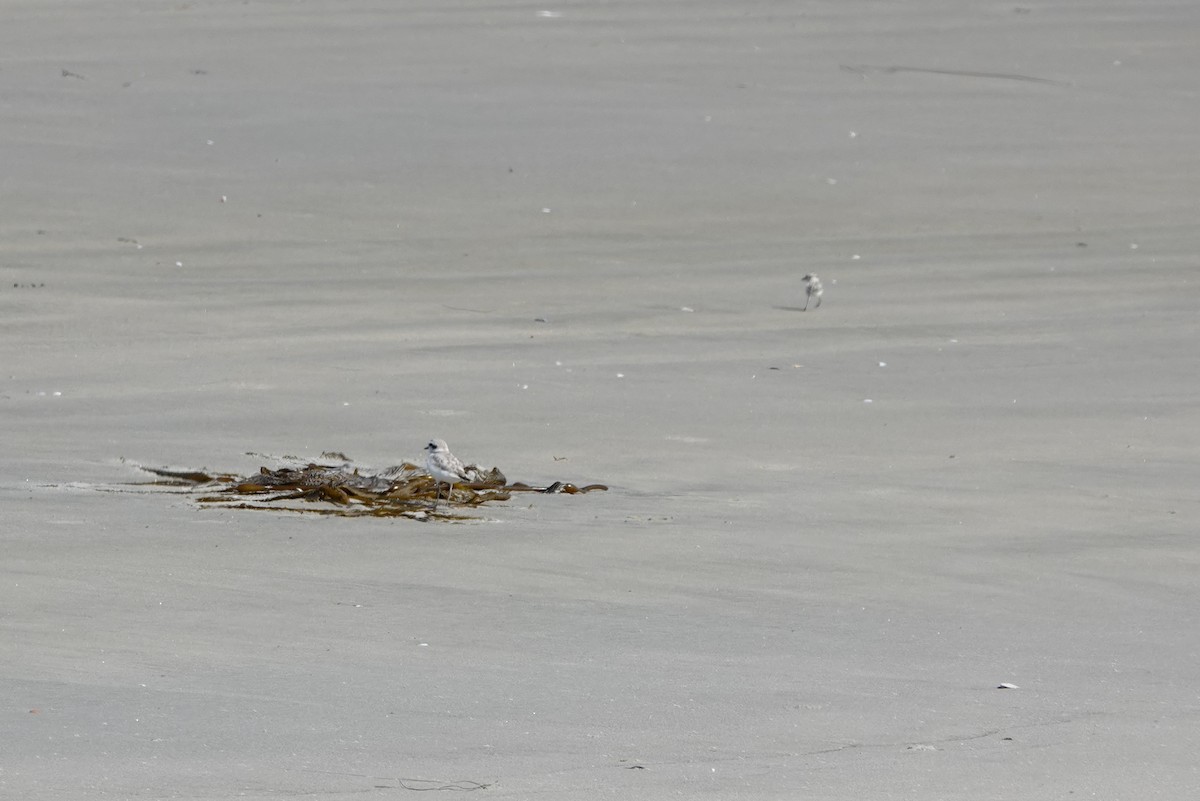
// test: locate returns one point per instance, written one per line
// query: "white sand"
(789, 592)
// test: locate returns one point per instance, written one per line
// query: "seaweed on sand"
(344, 491)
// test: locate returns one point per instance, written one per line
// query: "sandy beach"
(569, 240)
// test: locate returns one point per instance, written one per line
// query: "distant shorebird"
(812, 289)
(445, 468)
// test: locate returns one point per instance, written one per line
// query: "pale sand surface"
(789, 592)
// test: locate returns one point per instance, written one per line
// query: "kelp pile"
(342, 490)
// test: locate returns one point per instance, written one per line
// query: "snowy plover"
(812, 289)
(445, 468)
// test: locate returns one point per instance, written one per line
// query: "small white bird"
(445, 468)
(812, 289)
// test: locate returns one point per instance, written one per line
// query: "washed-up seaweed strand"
(462, 785)
(404, 490)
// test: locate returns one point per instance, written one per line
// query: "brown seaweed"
(341, 490)
(186, 478)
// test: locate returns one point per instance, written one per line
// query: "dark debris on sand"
(339, 490)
